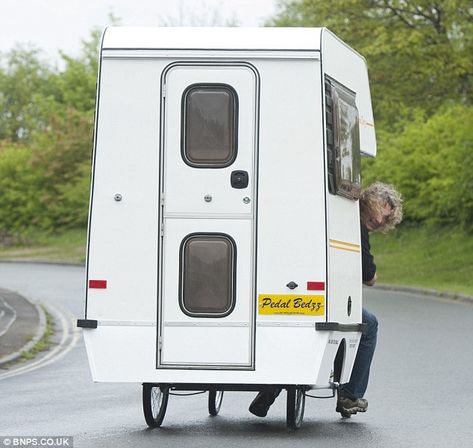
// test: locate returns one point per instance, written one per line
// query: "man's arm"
(368, 266)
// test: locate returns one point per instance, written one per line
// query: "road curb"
(38, 335)
(458, 297)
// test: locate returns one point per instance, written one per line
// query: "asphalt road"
(420, 393)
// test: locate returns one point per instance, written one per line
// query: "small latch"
(292, 285)
(239, 179)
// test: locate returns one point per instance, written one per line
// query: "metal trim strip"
(207, 53)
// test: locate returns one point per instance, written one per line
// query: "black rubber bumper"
(335, 326)
(86, 323)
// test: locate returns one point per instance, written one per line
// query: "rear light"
(98, 284)
(315, 286)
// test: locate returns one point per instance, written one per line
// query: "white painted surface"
(123, 235)
(212, 38)
(291, 207)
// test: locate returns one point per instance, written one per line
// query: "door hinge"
(162, 228)
(164, 91)
(160, 342)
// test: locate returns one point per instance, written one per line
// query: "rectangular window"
(343, 140)
(208, 263)
(209, 125)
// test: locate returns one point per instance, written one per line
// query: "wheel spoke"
(218, 399)
(156, 400)
(300, 399)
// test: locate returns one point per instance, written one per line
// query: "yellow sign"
(291, 304)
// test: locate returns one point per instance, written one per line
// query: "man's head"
(380, 207)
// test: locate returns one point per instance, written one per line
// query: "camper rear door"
(208, 210)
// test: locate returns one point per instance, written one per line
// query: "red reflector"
(98, 284)
(315, 286)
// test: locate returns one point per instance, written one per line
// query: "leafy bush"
(46, 122)
(45, 185)
(431, 162)
(19, 189)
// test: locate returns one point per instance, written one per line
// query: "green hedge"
(431, 162)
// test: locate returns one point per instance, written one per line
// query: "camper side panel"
(123, 234)
(347, 68)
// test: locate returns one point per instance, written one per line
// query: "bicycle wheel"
(155, 402)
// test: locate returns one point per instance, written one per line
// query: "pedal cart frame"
(224, 239)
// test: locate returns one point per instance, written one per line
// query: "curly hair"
(374, 198)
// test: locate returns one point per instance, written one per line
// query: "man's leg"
(263, 401)
(351, 394)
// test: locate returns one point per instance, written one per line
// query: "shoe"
(262, 402)
(348, 407)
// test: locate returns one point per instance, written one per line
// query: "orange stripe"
(342, 245)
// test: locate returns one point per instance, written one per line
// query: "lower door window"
(207, 275)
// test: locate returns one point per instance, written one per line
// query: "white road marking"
(9, 311)
(69, 337)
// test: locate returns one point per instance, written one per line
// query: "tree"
(77, 81)
(46, 122)
(30, 88)
(418, 52)
(24, 77)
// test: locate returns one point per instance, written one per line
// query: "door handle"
(239, 179)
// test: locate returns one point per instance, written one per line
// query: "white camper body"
(224, 239)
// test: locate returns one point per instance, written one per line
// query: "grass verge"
(426, 257)
(44, 343)
(66, 247)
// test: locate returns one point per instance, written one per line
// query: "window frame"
(182, 274)
(337, 185)
(234, 96)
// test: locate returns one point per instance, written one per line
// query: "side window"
(343, 140)
(207, 275)
(209, 125)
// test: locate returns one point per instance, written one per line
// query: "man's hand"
(372, 281)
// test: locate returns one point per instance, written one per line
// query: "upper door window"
(343, 140)
(209, 125)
